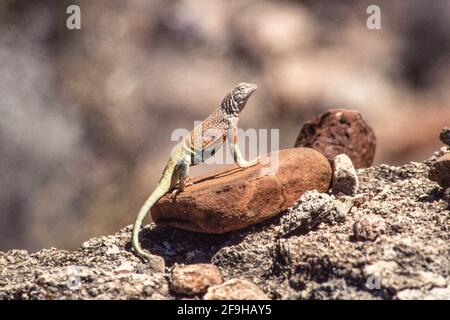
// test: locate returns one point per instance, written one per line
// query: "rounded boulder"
(340, 131)
(235, 198)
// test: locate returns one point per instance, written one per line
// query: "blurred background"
(86, 115)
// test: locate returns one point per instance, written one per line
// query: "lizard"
(195, 148)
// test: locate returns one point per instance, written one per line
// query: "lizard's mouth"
(251, 88)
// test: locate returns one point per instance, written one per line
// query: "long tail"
(162, 188)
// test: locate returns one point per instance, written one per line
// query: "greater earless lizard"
(195, 148)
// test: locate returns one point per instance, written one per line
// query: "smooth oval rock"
(236, 289)
(194, 279)
(340, 131)
(235, 198)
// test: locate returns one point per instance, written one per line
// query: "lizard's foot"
(153, 262)
(175, 192)
(185, 182)
(252, 163)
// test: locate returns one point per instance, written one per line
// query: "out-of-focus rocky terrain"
(389, 241)
(87, 115)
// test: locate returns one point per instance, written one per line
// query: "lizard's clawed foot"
(187, 181)
(174, 192)
(251, 163)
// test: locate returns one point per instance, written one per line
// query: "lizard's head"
(236, 99)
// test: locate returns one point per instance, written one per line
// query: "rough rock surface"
(195, 278)
(316, 261)
(445, 136)
(446, 195)
(340, 131)
(440, 171)
(345, 179)
(233, 199)
(369, 227)
(311, 209)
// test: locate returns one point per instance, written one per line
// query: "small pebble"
(345, 179)
(445, 136)
(113, 250)
(440, 171)
(369, 228)
(194, 279)
(236, 289)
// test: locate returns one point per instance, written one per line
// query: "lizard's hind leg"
(175, 179)
(174, 182)
(182, 179)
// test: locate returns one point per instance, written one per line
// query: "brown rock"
(345, 179)
(440, 171)
(194, 279)
(340, 131)
(235, 289)
(235, 198)
(369, 228)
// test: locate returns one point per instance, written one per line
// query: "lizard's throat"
(231, 107)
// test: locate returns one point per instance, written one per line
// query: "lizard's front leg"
(236, 153)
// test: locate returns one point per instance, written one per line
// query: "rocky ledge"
(389, 241)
